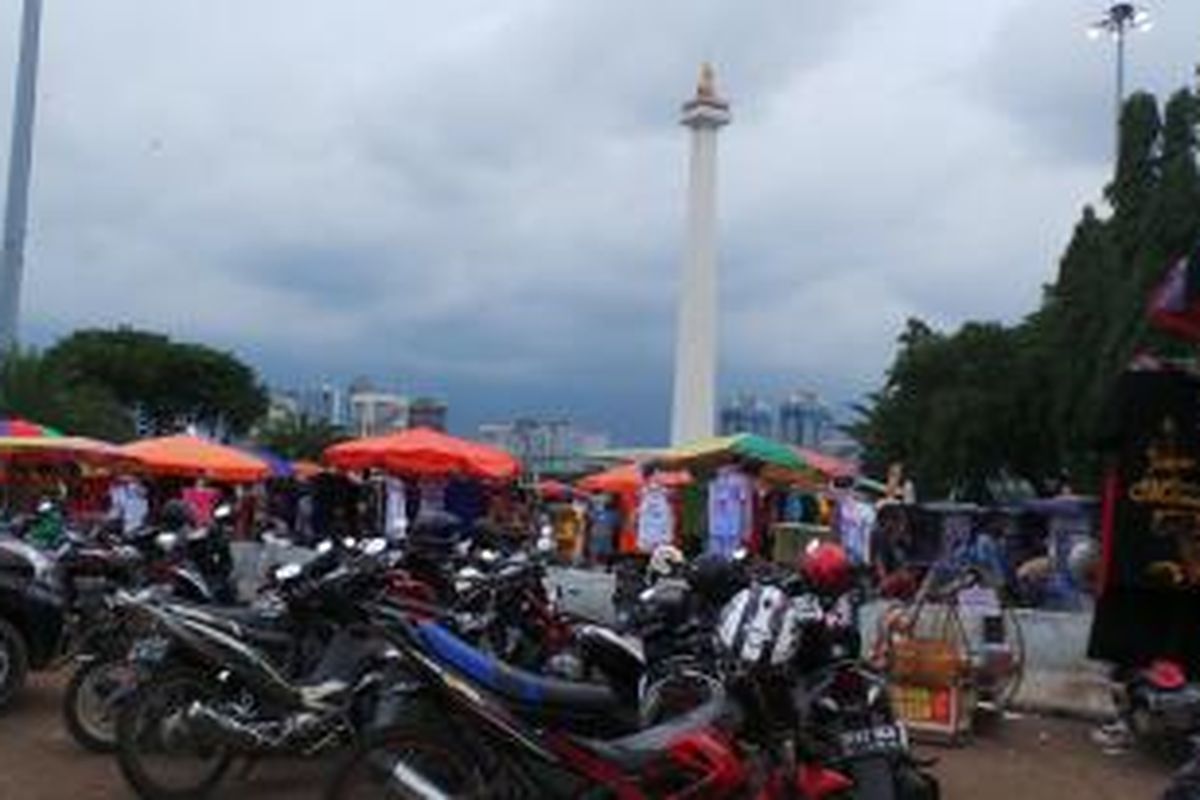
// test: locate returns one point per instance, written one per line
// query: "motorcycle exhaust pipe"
(224, 729)
(407, 781)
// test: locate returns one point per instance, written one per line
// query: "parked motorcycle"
(192, 566)
(1159, 705)
(216, 684)
(525, 735)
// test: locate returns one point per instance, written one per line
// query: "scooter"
(1159, 704)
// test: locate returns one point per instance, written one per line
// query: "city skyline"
(513, 242)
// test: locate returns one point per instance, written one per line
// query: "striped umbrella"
(16, 427)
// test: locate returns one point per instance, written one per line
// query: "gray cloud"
(486, 199)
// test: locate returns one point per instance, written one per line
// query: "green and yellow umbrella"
(776, 460)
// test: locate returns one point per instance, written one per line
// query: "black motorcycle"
(190, 566)
(217, 684)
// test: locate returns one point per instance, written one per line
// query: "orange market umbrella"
(63, 449)
(194, 457)
(424, 452)
(627, 479)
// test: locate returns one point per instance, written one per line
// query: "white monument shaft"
(693, 413)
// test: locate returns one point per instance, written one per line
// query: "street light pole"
(16, 209)
(1117, 22)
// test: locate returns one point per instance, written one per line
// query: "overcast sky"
(485, 200)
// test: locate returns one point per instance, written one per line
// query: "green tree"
(942, 411)
(162, 382)
(30, 387)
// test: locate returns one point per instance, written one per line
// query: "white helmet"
(762, 625)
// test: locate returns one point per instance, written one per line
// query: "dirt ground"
(1024, 759)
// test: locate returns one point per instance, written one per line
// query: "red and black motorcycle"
(462, 723)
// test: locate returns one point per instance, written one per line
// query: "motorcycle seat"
(514, 684)
(636, 751)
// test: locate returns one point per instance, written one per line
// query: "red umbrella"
(424, 452)
(627, 479)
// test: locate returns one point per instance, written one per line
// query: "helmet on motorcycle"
(176, 515)
(715, 578)
(761, 626)
(665, 561)
(827, 568)
(435, 532)
(1165, 674)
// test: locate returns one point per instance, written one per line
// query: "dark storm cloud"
(486, 200)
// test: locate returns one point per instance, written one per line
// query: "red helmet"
(827, 568)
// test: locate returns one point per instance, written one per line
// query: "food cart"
(956, 648)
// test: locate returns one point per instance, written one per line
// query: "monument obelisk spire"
(693, 411)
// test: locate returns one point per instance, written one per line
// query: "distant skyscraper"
(747, 414)
(548, 445)
(373, 413)
(427, 412)
(693, 409)
(805, 420)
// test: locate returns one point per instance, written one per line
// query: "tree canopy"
(110, 382)
(1028, 399)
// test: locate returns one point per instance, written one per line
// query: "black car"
(32, 615)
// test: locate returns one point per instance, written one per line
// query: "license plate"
(874, 741)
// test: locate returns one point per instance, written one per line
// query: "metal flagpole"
(16, 209)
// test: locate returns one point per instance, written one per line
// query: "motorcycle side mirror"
(287, 572)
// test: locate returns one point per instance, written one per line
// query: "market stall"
(420, 470)
(751, 491)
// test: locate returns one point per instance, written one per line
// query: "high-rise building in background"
(374, 413)
(544, 445)
(805, 420)
(747, 413)
(427, 412)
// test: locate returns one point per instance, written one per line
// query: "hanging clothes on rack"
(656, 518)
(730, 510)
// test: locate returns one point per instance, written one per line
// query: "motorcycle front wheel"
(88, 704)
(407, 761)
(158, 752)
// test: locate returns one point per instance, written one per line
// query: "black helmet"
(435, 532)
(176, 515)
(715, 578)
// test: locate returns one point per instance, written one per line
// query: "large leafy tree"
(30, 387)
(1030, 398)
(163, 383)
